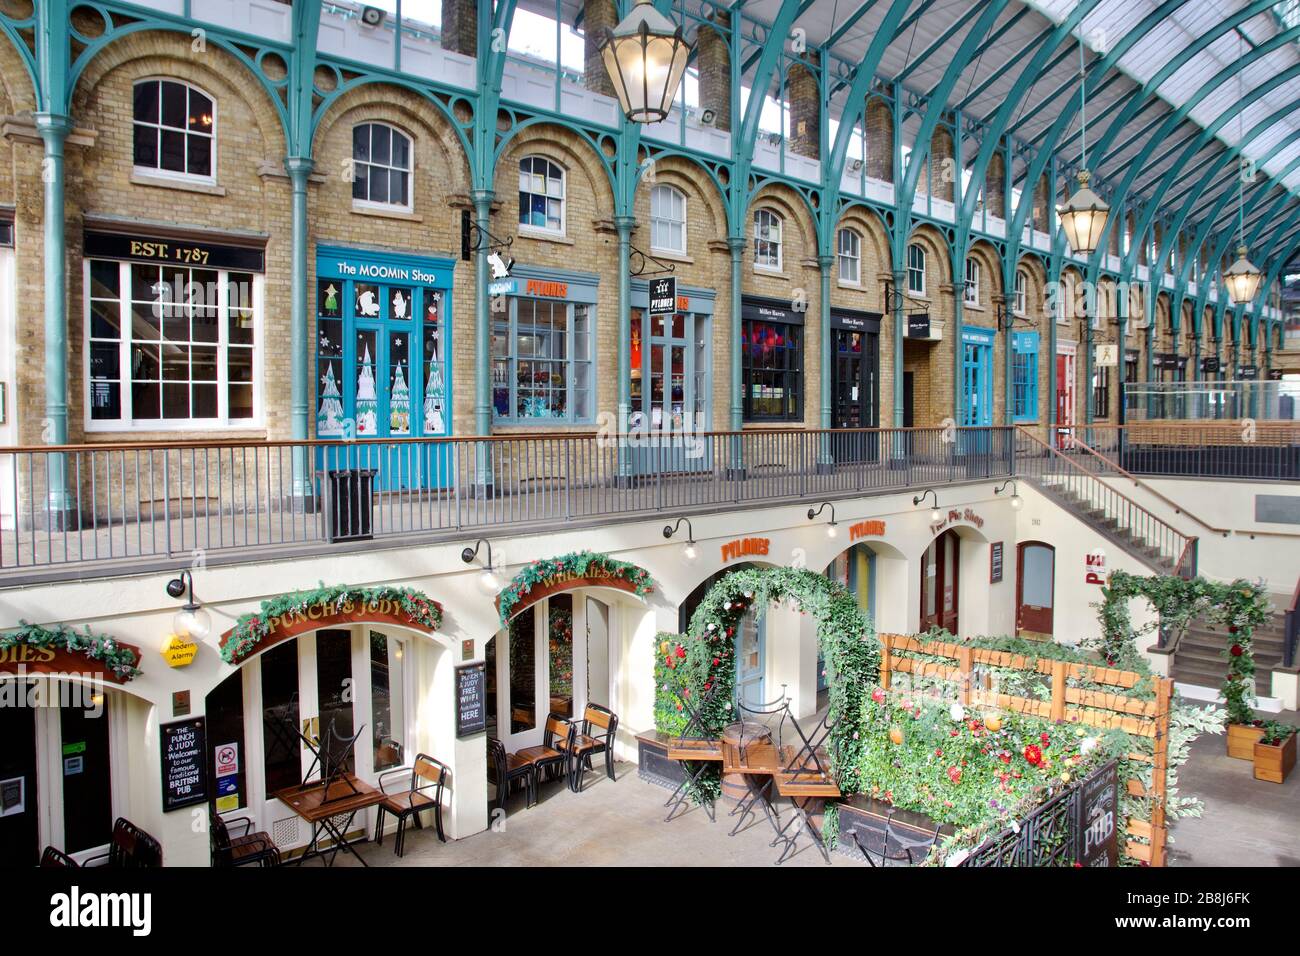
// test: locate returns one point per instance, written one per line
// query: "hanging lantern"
(1083, 217)
(1242, 279)
(645, 56)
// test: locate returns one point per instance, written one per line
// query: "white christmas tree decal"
(433, 398)
(399, 416)
(367, 400)
(329, 418)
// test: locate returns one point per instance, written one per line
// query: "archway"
(702, 663)
(940, 579)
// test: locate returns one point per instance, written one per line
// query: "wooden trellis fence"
(1093, 708)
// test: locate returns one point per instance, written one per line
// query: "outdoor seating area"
(566, 752)
(129, 848)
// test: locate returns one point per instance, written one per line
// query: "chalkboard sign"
(471, 697)
(995, 562)
(1098, 812)
(184, 764)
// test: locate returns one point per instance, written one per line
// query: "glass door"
(538, 670)
(1035, 580)
(87, 777)
(20, 839)
(854, 390)
(751, 658)
(669, 389)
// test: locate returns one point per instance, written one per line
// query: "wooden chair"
(596, 736)
(243, 849)
(129, 848)
(505, 770)
(55, 859)
(552, 757)
(428, 778)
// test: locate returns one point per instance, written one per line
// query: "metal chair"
(505, 770)
(55, 859)
(245, 849)
(586, 744)
(692, 733)
(428, 778)
(129, 848)
(905, 853)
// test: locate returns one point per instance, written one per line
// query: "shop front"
(543, 347)
(772, 361)
(383, 337)
(855, 383)
(671, 382)
(1170, 371)
(1066, 370)
(65, 721)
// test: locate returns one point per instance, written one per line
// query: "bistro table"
(321, 806)
(757, 760)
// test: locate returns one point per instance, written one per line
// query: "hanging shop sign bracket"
(638, 262)
(474, 238)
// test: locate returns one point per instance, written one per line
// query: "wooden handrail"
(1092, 474)
(1178, 509)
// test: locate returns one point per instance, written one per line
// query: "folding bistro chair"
(907, 853)
(760, 794)
(692, 747)
(806, 777)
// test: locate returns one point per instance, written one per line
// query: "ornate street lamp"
(1242, 279)
(645, 56)
(1083, 216)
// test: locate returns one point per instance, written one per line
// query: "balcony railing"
(73, 506)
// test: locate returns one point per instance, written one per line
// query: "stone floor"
(611, 823)
(1247, 822)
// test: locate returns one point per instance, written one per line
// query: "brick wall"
(598, 16)
(713, 59)
(879, 124)
(805, 108)
(460, 26)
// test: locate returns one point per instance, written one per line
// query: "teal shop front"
(383, 337)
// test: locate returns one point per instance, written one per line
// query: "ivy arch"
(1239, 606)
(704, 659)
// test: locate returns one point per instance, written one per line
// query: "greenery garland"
(123, 662)
(704, 660)
(577, 564)
(253, 628)
(1240, 606)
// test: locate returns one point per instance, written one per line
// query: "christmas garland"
(577, 564)
(122, 661)
(1240, 606)
(253, 628)
(705, 660)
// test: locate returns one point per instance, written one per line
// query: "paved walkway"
(611, 823)
(1247, 822)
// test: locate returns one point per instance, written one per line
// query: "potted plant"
(1243, 729)
(1274, 751)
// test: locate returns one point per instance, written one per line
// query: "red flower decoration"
(878, 695)
(954, 774)
(1033, 755)
(1236, 650)
(681, 651)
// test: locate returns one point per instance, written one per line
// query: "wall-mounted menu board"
(184, 763)
(995, 562)
(471, 699)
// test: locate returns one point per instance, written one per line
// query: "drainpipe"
(298, 168)
(824, 459)
(900, 446)
(482, 199)
(54, 129)
(737, 246)
(624, 225)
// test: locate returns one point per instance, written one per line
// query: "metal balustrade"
(73, 506)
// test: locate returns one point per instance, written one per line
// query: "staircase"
(1079, 489)
(1198, 658)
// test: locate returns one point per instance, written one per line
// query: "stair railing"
(1055, 471)
(1291, 628)
(1108, 464)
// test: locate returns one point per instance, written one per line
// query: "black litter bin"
(349, 496)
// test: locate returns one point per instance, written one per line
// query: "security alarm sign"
(663, 296)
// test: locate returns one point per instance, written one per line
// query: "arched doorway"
(751, 637)
(554, 656)
(939, 582)
(855, 568)
(1035, 588)
(359, 677)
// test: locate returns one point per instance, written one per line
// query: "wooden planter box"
(1241, 740)
(1274, 763)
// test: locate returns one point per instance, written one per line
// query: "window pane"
(200, 116)
(361, 182)
(145, 101)
(145, 146)
(334, 684)
(146, 399)
(173, 105)
(523, 678)
(176, 400)
(173, 151)
(397, 186)
(386, 701)
(401, 151)
(199, 161)
(282, 764)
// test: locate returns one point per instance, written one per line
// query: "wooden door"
(1035, 586)
(939, 582)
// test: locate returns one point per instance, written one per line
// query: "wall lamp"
(191, 620)
(1016, 501)
(831, 529)
(935, 514)
(488, 581)
(689, 550)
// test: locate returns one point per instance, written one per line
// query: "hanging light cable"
(1241, 278)
(1083, 216)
